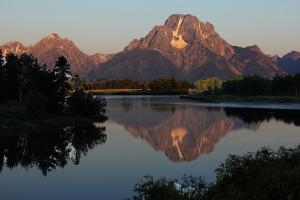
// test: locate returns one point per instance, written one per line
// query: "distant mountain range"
(49, 48)
(184, 48)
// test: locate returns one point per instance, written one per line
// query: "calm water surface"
(159, 136)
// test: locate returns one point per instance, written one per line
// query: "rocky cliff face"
(185, 41)
(197, 51)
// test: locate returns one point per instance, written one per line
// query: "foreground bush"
(163, 189)
(265, 174)
(81, 103)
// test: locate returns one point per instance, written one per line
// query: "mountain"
(49, 48)
(194, 47)
(184, 40)
(183, 48)
(291, 62)
(251, 60)
(143, 64)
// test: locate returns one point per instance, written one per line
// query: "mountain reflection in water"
(184, 132)
(49, 150)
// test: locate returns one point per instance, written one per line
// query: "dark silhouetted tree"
(13, 76)
(61, 73)
(2, 76)
(29, 73)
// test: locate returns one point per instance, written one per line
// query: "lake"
(158, 136)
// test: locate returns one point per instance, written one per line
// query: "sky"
(98, 26)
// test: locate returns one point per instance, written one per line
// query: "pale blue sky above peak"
(108, 26)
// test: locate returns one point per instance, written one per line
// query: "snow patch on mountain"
(177, 40)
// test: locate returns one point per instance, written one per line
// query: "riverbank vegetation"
(35, 97)
(162, 86)
(15, 118)
(265, 174)
(279, 89)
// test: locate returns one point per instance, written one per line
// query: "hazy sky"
(108, 26)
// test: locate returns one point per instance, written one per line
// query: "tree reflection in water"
(49, 150)
(259, 115)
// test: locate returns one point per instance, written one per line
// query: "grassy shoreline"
(242, 99)
(133, 92)
(14, 118)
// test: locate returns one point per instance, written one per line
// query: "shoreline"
(130, 92)
(15, 119)
(241, 99)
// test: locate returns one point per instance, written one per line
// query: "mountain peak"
(176, 17)
(184, 40)
(188, 21)
(193, 47)
(13, 47)
(254, 48)
(56, 41)
(53, 36)
(13, 43)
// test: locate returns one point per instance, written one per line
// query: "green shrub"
(160, 189)
(265, 175)
(189, 188)
(81, 103)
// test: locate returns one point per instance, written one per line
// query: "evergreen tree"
(13, 77)
(61, 73)
(2, 75)
(1, 60)
(29, 73)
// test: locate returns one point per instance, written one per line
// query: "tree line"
(21, 77)
(288, 85)
(163, 84)
(39, 88)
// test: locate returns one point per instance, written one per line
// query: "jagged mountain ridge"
(196, 49)
(49, 48)
(13, 47)
(250, 60)
(184, 48)
(182, 38)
